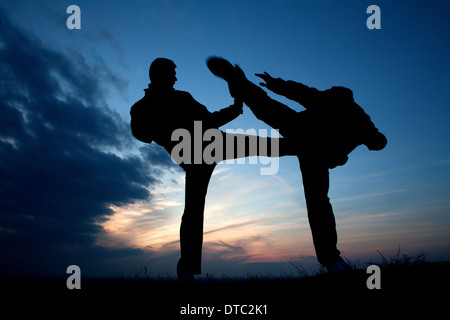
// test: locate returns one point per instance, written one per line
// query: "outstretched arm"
(214, 119)
(292, 90)
(225, 115)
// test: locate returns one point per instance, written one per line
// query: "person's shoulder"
(138, 105)
(182, 94)
(341, 91)
(185, 97)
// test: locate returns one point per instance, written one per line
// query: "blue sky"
(382, 200)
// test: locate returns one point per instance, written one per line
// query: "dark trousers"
(196, 187)
(316, 181)
(300, 130)
(191, 230)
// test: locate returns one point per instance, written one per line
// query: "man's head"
(162, 73)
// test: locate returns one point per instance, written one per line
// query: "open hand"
(269, 80)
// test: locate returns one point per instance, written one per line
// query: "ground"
(405, 290)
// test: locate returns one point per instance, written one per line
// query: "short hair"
(159, 67)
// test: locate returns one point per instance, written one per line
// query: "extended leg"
(274, 113)
(238, 146)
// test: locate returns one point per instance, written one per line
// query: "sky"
(77, 188)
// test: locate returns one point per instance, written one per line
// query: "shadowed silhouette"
(164, 110)
(323, 135)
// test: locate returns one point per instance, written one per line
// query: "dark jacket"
(333, 124)
(158, 114)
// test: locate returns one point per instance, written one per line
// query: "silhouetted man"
(159, 115)
(331, 127)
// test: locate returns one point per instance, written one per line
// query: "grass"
(401, 259)
(409, 284)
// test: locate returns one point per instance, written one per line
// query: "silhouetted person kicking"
(324, 134)
(156, 117)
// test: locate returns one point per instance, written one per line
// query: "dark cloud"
(158, 156)
(63, 156)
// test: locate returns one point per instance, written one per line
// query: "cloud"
(237, 225)
(63, 155)
(225, 251)
(244, 249)
(370, 195)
